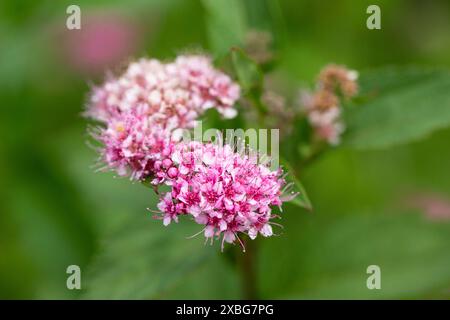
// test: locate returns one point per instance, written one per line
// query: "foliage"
(404, 104)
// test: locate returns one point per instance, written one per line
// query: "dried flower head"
(323, 105)
(334, 77)
(324, 100)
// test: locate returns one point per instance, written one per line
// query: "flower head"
(334, 77)
(142, 109)
(175, 93)
(323, 105)
(224, 191)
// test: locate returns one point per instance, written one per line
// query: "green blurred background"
(56, 211)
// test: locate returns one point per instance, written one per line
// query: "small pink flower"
(171, 210)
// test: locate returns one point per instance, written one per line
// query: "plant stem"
(247, 267)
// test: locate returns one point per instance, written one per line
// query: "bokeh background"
(389, 207)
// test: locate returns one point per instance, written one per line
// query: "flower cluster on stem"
(143, 107)
(323, 105)
(226, 192)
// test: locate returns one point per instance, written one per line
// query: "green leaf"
(405, 104)
(302, 199)
(226, 24)
(326, 259)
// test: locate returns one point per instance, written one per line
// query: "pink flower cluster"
(175, 93)
(143, 108)
(222, 190)
(323, 106)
